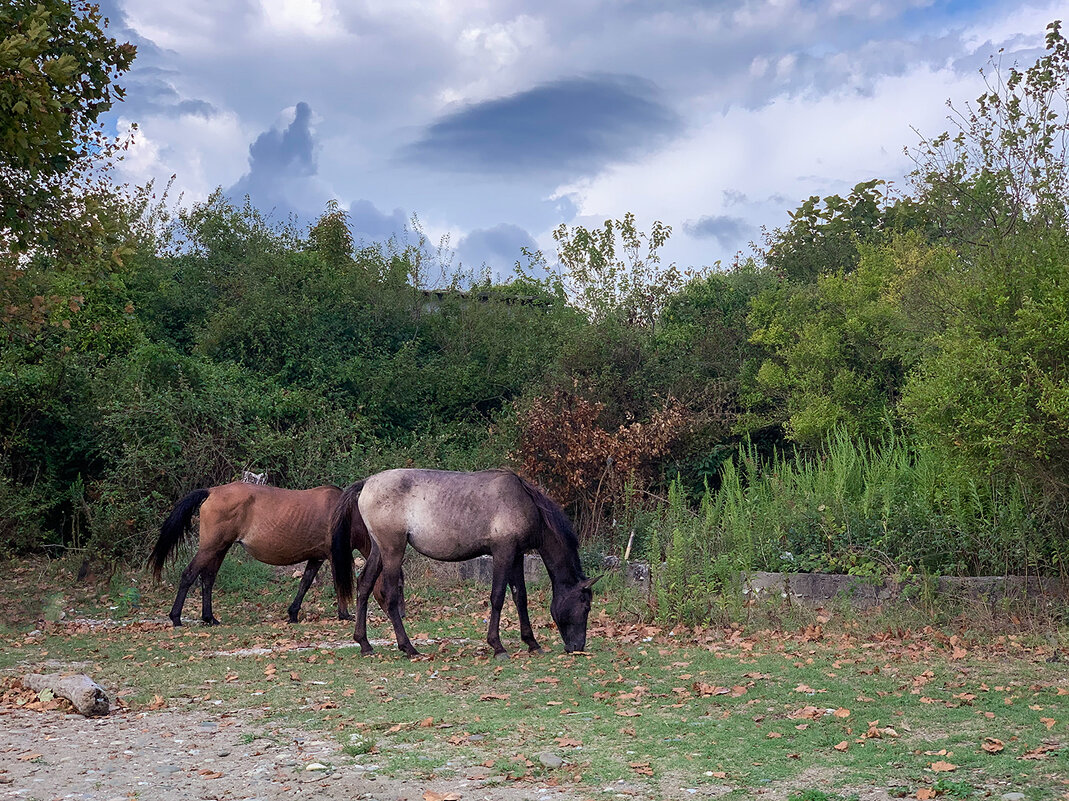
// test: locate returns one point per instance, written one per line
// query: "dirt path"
(185, 756)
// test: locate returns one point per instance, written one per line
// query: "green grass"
(721, 708)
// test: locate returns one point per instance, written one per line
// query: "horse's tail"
(554, 517)
(174, 529)
(347, 529)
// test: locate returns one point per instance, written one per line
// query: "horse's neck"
(562, 565)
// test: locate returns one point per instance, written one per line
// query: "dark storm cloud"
(575, 125)
(499, 248)
(371, 225)
(727, 231)
(149, 88)
(281, 162)
(151, 91)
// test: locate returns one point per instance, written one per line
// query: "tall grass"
(869, 510)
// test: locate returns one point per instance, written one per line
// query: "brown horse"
(275, 526)
(455, 516)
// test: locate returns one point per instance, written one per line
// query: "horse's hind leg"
(189, 575)
(368, 576)
(519, 597)
(392, 582)
(207, 581)
(309, 576)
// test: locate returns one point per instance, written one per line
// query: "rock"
(1013, 797)
(316, 766)
(551, 761)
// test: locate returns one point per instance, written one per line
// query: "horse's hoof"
(536, 650)
(292, 620)
(502, 655)
(176, 622)
(212, 622)
(346, 616)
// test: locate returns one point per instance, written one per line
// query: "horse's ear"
(590, 582)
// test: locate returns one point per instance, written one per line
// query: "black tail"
(174, 529)
(346, 518)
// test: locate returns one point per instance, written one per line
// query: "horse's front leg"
(502, 569)
(310, 571)
(392, 586)
(519, 597)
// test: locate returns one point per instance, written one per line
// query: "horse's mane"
(555, 519)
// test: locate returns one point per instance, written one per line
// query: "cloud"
(371, 225)
(282, 169)
(722, 228)
(498, 248)
(575, 125)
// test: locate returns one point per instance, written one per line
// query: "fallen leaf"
(568, 742)
(926, 793)
(943, 767)
(495, 697)
(842, 746)
(1039, 753)
(628, 713)
(992, 745)
(430, 795)
(1048, 722)
(806, 712)
(841, 713)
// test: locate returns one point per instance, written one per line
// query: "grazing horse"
(275, 526)
(455, 516)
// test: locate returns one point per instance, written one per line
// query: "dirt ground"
(173, 755)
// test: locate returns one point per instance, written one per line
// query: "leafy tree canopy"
(57, 67)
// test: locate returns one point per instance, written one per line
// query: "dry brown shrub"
(587, 468)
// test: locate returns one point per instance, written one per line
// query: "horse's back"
(274, 525)
(448, 515)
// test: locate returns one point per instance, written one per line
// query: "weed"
(818, 795)
(953, 789)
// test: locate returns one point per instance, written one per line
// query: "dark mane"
(557, 523)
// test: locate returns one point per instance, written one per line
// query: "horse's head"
(570, 609)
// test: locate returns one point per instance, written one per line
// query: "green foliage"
(994, 389)
(824, 236)
(616, 270)
(865, 510)
(57, 68)
(885, 388)
(1005, 170)
(695, 578)
(838, 349)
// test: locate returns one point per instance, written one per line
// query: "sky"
(495, 121)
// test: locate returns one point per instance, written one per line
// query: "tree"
(1005, 169)
(823, 236)
(57, 68)
(995, 391)
(616, 270)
